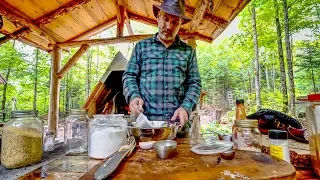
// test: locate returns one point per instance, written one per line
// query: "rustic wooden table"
(144, 164)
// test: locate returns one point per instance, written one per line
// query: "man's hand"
(136, 106)
(182, 114)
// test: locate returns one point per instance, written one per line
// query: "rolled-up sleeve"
(131, 75)
(193, 84)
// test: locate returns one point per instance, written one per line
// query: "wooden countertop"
(144, 164)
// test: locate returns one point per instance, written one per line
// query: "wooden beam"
(120, 17)
(24, 40)
(96, 30)
(15, 16)
(62, 10)
(48, 18)
(198, 15)
(53, 115)
(182, 33)
(95, 42)
(15, 35)
(207, 16)
(72, 61)
(127, 22)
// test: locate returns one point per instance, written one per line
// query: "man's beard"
(167, 35)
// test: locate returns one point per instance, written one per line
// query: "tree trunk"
(66, 94)
(267, 78)
(98, 64)
(250, 84)
(35, 81)
(256, 58)
(312, 71)
(289, 59)
(281, 62)
(88, 78)
(4, 94)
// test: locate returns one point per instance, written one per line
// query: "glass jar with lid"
(76, 132)
(22, 140)
(313, 123)
(107, 133)
(246, 135)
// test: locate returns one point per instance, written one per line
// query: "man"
(162, 78)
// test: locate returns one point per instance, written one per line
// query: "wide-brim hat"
(173, 7)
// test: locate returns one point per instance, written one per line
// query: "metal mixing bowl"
(161, 130)
(166, 148)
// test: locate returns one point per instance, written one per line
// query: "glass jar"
(313, 123)
(76, 132)
(108, 133)
(49, 142)
(246, 135)
(22, 140)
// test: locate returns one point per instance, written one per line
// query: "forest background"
(270, 57)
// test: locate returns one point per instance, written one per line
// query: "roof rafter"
(17, 34)
(46, 19)
(182, 33)
(127, 22)
(43, 19)
(96, 30)
(15, 16)
(198, 14)
(207, 16)
(104, 41)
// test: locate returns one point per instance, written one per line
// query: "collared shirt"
(165, 78)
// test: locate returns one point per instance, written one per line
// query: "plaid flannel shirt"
(165, 78)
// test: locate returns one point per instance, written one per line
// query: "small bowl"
(228, 155)
(166, 148)
(146, 145)
(225, 137)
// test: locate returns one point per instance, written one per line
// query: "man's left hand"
(182, 114)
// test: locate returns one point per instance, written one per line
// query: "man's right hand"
(136, 105)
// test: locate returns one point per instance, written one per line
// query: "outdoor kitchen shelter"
(56, 25)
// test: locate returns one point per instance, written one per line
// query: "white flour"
(106, 141)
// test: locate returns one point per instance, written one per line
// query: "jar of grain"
(22, 140)
(76, 132)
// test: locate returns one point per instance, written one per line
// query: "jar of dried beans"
(246, 135)
(22, 140)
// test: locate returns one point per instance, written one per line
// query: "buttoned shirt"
(165, 78)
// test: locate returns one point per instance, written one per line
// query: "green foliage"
(213, 127)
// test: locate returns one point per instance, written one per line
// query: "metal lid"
(77, 112)
(49, 133)
(314, 97)
(277, 134)
(24, 113)
(246, 123)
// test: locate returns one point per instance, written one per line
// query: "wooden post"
(53, 115)
(73, 60)
(120, 17)
(196, 119)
